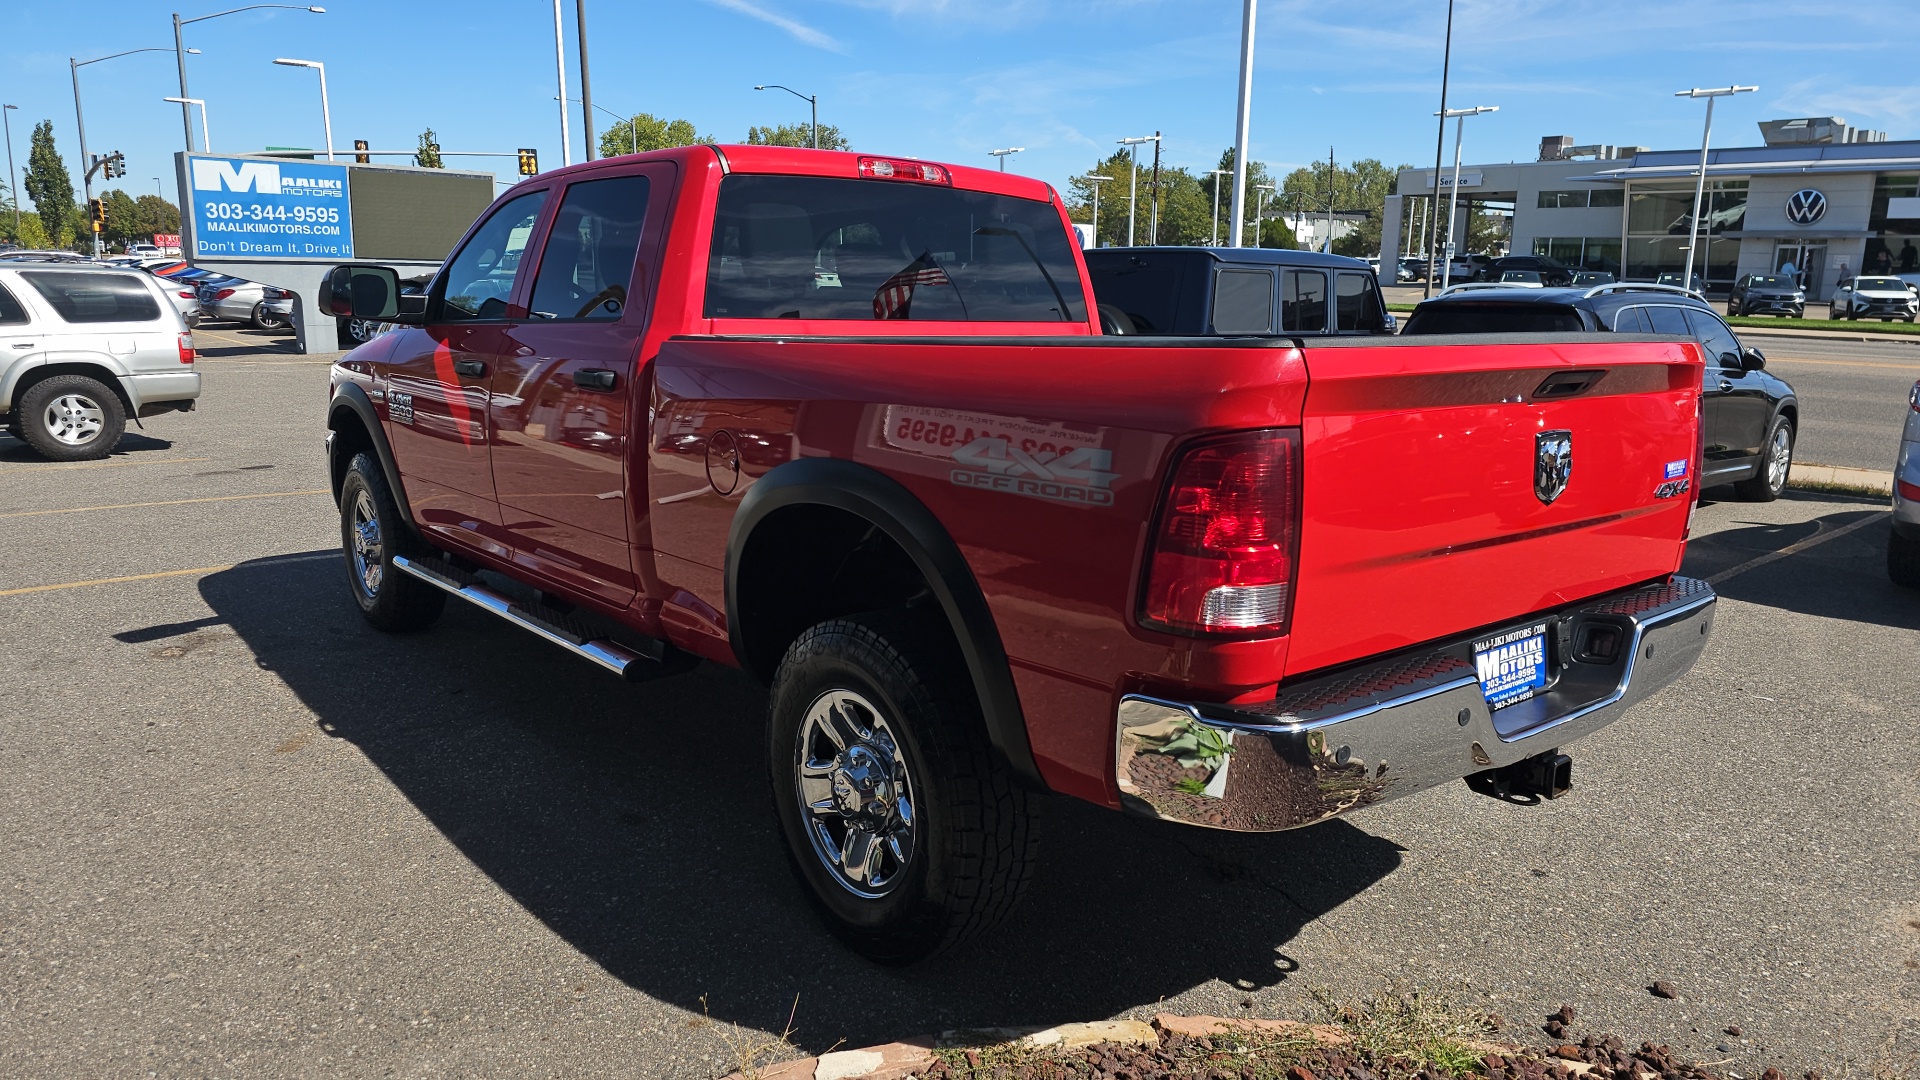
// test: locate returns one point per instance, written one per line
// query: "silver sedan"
(247, 302)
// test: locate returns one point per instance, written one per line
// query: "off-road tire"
(1903, 560)
(976, 828)
(396, 602)
(1766, 485)
(31, 415)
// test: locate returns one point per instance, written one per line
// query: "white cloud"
(1855, 103)
(800, 31)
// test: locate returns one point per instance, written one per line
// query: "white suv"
(1883, 298)
(81, 349)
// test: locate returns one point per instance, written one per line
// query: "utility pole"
(1439, 147)
(1330, 167)
(1214, 237)
(1243, 119)
(1153, 232)
(586, 84)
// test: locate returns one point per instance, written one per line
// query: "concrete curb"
(1812, 477)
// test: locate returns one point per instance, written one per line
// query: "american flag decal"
(894, 298)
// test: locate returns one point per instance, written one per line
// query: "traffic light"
(116, 165)
(529, 162)
(97, 211)
(360, 152)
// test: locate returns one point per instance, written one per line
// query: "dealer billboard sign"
(268, 209)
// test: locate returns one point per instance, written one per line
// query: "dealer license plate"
(1512, 666)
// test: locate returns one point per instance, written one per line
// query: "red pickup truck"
(849, 422)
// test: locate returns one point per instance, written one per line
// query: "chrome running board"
(549, 625)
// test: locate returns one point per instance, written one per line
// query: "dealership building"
(1827, 198)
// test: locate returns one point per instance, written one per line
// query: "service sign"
(258, 208)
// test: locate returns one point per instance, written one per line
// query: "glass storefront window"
(1562, 200)
(1664, 209)
(1887, 188)
(1608, 197)
(1583, 253)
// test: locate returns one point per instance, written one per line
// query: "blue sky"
(952, 79)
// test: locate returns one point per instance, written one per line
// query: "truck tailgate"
(1421, 517)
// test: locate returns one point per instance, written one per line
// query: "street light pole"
(1453, 203)
(1214, 239)
(1260, 212)
(13, 183)
(1002, 155)
(1133, 181)
(560, 67)
(206, 139)
(87, 164)
(813, 100)
(1700, 185)
(180, 53)
(326, 115)
(1096, 180)
(1243, 120)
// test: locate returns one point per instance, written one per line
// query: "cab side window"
(1668, 319)
(11, 311)
(1631, 320)
(479, 278)
(1303, 302)
(1359, 303)
(1243, 302)
(587, 264)
(1716, 341)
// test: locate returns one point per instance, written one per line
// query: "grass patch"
(1402, 1026)
(1401, 308)
(1825, 488)
(1837, 326)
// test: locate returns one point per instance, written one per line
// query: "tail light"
(188, 294)
(1228, 537)
(186, 348)
(223, 294)
(919, 172)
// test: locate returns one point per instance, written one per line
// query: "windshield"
(803, 247)
(1880, 284)
(1485, 318)
(1768, 281)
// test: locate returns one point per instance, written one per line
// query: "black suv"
(1751, 416)
(1551, 272)
(1204, 292)
(1766, 294)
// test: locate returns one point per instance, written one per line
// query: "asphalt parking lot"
(246, 835)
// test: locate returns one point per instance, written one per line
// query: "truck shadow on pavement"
(1832, 576)
(634, 822)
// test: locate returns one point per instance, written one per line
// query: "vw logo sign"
(1806, 206)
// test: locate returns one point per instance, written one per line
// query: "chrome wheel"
(856, 797)
(369, 558)
(75, 419)
(1779, 456)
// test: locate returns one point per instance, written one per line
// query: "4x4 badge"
(1552, 464)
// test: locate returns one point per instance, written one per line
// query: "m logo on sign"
(212, 174)
(1806, 206)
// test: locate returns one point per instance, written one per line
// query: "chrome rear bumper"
(1365, 735)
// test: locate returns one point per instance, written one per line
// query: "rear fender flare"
(882, 501)
(351, 399)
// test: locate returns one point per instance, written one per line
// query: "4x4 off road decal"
(995, 463)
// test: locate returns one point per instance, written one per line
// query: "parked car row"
(222, 296)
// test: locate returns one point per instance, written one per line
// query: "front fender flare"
(883, 502)
(351, 398)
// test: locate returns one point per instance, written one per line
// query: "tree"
(645, 132)
(123, 220)
(1185, 201)
(797, 135)
(1362, 187)
(156, 215)
(32, 235)
(50, 187)
(428, 156)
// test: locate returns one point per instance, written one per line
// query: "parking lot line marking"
(1795, 548)
(97, 464)
(1844, 363)
(163, 574)
(165, 502)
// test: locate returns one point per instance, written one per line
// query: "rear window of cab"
(803, 247)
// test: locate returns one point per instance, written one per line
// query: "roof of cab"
(799, 161)
(1274, 256)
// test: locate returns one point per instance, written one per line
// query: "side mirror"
(1752, 360)
(364, 291)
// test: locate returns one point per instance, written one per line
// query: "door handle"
(473, 368)
(594, 378)
(27, 345)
